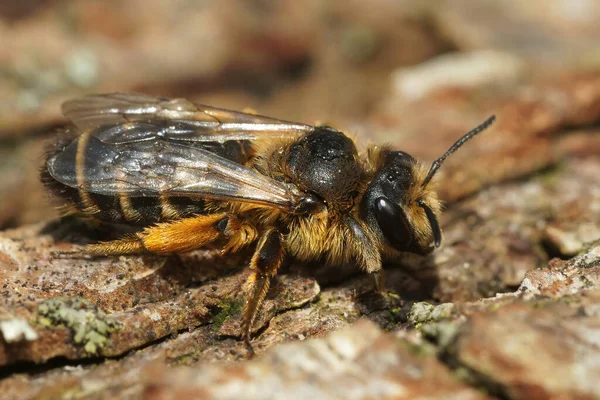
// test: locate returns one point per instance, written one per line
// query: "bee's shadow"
(72, 229)
(413, 281)
(405, 283)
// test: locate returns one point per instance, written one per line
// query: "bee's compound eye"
(393, 224)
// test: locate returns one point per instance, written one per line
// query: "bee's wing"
(121, 117)
(155, 167)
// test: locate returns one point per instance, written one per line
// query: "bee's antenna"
(438, 163)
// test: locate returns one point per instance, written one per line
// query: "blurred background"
(413, 73)
(498, 298)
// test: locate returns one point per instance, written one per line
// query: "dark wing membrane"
(120, 118)
(152, 168)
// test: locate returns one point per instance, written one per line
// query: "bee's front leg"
(265, 262)
(378, 278)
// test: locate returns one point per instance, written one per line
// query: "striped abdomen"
(77, 155)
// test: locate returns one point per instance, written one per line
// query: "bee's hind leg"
(167, 237)
(265, 262)
(129, 244)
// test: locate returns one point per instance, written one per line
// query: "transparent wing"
(122, 118)
(152, 168)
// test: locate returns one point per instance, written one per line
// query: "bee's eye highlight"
(433, 222)
(393, 224)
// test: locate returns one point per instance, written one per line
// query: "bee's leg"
(265, 262)
(130, 244)
(366, 253)
(240, 233)
(378, 277)
(167, 237)
(182, 235)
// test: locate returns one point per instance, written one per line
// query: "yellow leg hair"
(182, 235)
(167, 237)
(127, 245)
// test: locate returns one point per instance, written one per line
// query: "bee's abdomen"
(117, 208)
(120, 208)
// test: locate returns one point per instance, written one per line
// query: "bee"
(191, 175)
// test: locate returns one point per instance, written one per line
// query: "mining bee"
(190, 175)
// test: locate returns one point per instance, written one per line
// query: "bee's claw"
(249, 346)
(246, 338)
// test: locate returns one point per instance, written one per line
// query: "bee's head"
(399, 202)
(396, 205)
